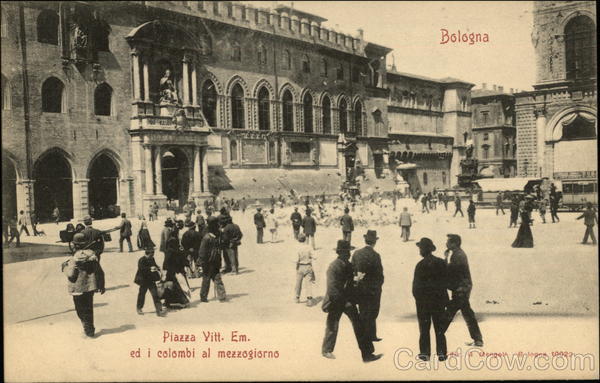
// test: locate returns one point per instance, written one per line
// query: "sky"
(413, 30)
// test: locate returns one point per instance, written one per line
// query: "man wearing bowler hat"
(368, 269)
(340, 299)
(259, 222)
(431, 296)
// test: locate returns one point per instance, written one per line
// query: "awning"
(504, 184)
(262, 183)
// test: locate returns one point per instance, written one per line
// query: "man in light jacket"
(405, 224)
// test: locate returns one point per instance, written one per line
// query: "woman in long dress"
(144, 240)
(524, 235)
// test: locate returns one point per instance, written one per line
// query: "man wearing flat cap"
(431, 296)
(368, 269)
(340, 299)
(93, 237)
(459, 282)
(166, 233)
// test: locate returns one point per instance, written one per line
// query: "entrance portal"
(103, 187)
(53, 187)
(175, 176)
(9, 189)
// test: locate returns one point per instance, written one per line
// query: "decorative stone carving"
(168, 92)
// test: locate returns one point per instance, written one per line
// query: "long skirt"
(144, 241)
(524, 236)
(180, 293)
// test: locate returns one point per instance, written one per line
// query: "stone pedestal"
(167, 109)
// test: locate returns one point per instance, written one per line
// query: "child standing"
(304, 270)
(147, 275)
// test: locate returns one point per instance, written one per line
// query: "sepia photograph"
(299, 190)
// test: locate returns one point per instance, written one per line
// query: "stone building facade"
(430, 120)
(557, 121)
(494, 132)
(112, 106)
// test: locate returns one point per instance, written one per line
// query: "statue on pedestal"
(168, 93)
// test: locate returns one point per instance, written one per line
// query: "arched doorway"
(103, 187)
(53, 186)
(9, 188)
(175, 175)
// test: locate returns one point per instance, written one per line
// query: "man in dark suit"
(259, 222)
(339, 299)
(309, 225)
(369, 271)
(165, 234)
(459, 282)
(231, 239)
(93, 237)
(296, 219)
(347, 225)
(125, 233)
(431, 296)
(146, 276)
(458, 205)
(190, 241)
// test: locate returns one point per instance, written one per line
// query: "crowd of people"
(201, 244)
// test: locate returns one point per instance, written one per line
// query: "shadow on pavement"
(58, 313)
(482, 316)
(116, 330)
(116, 287)
(33, 251)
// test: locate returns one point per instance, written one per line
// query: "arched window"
(209, 103)
(237, 107)
(286, 59)
(6, 94)
(324, 68)
(326, 110)
(305, 64)
(233, 151)
(580, 48)
(263, 109)
(47, 27)
(236, 52)
(52, 95)
(262, 55)
(307, 104)
(103, 100)
(425, 180)
(343, 115)
(358, 117)
(288, 111)
(579, 128)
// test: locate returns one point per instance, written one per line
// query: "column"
(205, 169)
(25, 199)
(194, 85)
(158, 169)
(197, 169)
(186, 84)
(540, 125)
(136, 74)
(123, 194)
(148, 169)
(146, 79)
(80, 199)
